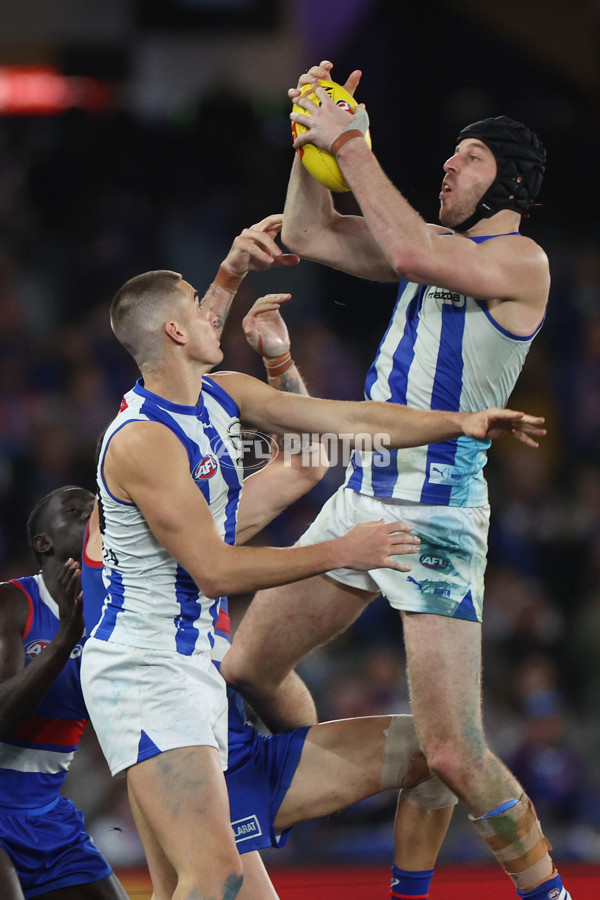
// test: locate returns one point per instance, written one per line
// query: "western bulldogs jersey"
(35, 758)
(151, 601)
(442, 350)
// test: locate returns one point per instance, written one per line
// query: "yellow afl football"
(321, 164)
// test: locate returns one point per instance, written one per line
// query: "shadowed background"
(169, 136)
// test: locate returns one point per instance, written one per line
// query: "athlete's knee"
(456, 757)
(229, 875)
(225, 886)
(456, 764)
(430, 793)
(246, 675)
(405, 766)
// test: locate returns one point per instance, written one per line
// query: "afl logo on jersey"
(433, 562)
(35, 648)
(206, 468)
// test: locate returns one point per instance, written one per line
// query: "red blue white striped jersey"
(35, 758)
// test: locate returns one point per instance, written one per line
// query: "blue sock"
(548, 890)
(411, 885)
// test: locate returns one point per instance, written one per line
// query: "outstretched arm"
(254, 250)
(22, 688)
(148, 465)
(394, 425)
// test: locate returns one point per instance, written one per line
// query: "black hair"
(35, 520)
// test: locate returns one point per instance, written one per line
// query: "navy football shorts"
(50, 849)
(259, 775)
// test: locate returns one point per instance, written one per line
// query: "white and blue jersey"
(442, 350)
(260, 768)
(35, 758)
(150, 600)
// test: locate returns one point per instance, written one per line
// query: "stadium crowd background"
(89, 199)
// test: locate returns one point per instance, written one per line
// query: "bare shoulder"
(142, 454)
(525, 262)
(14, 608)
(241, 387)
(138, 438)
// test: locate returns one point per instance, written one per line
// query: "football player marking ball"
(321, 164)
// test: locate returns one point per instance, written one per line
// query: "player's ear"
(174, 332)
(42, 543)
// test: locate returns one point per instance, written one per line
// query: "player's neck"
(176, 386)
(505, 221)
(49, 572)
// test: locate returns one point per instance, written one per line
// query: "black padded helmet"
(521, 161)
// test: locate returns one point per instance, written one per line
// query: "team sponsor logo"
(435, 588)
(244, 829)
(444, 474)
(206, 468)
(433, 562)
(124, 405)
(35, 648)
(447, 296)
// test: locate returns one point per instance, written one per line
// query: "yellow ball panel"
(322, 165)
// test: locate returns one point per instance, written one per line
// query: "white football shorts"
(447, 573)
(142, 702)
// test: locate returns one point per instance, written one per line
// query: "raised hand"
(325, 122)
(264, 327)
(323, 70)
(70, 600)
(255, 249)
(493, 423)
(371, 545)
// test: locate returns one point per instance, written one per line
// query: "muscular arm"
(22, 688)
(264, 408)
(286, 478)
(506, 268)
(147, 465)
(314, 229)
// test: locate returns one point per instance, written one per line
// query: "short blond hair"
(137, 309)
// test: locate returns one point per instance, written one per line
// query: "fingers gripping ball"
(322, 165)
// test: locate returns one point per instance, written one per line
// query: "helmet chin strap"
(480, 213)
(520, 161)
